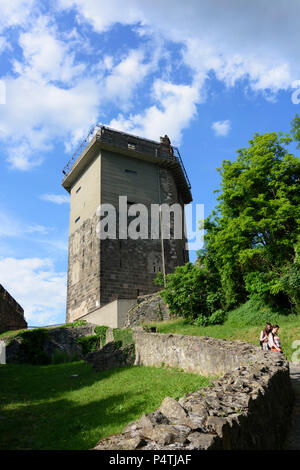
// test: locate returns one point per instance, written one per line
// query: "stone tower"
(101, 271)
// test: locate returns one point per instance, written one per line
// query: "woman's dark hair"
(267, 331)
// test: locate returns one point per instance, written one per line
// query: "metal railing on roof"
(138, 144)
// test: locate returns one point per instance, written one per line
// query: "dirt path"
(293, 439)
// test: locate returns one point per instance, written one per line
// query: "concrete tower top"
(161, 153)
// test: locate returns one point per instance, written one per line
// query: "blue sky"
(207, 73)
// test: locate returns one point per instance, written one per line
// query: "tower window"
(131, 172)
(78, 189)
(78, 218)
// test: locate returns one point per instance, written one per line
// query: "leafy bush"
(89, 343)
(100, 331)
(217, 318)
(32, 346)
(191, 292)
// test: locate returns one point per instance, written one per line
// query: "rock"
(216, 424)
(149, 308)
(165, 434)
(202, 441)
(172, 409)
(119, 442)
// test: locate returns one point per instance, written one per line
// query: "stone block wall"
(11, 313)
(203, 355)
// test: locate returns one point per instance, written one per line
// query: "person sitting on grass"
(274, 340)
(264, 334)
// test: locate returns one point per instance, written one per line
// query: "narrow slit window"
(78, 189)
(130, 172)
(78, 218)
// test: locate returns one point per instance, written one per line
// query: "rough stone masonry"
(11, 313)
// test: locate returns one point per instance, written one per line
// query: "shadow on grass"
(34, 382)
(63, 424)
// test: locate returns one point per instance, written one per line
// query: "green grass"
(10, 334)
(43, 407)
(288, 332)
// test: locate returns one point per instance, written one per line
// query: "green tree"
(252, 240)
(191, 292)
(254, 233)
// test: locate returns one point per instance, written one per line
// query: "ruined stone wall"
(149, 308)
(11, 313)
(203, 355)
(248, 408)
(63, 339)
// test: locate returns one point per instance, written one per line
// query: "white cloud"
(257, 40)
(37, 287)
(49, 97)
(176, 106)
(56, 198)
(125, 76)
(45, 56)
(221, 128)
(53, 96)
(102, 15)
(11, 226)
(42, 112)
(14, 12)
